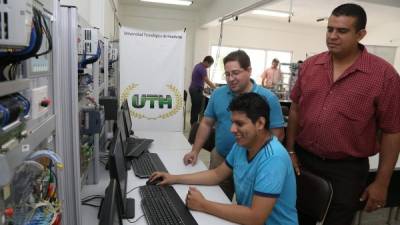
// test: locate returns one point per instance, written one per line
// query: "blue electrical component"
(92, 120)
(26, 105)
(41, 217)
(4, 115)
(12, 107)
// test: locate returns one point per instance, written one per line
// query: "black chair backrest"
(285, 110)
(210, 143)
(314, 195)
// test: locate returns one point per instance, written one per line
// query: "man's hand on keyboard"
(195, 200)
(190, 158)
(166, 178)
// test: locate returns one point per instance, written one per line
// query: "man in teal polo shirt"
(237, 72)
(264, 179)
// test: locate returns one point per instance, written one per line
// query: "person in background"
(271, 76)
(263, 175)
(199, 77)
(237, 72)
(346, 108)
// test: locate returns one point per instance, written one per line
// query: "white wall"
(387, 35)
(270, 35)
(300, 39)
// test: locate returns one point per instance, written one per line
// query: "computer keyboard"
(146, 164)
(162, 205)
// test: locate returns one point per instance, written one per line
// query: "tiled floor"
(378, 217)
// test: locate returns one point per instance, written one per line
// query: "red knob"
(45, 102)
(9, 212)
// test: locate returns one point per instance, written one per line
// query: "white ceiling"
(307, 11)
(196, 6)
(304, 11)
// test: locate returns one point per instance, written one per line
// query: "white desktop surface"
(165, 140)
(163, 145)
(175, 166)
(374, 161)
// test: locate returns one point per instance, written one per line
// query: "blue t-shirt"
(217, 109)
(198, 74)
(270, 174)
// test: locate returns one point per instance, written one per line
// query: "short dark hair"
(240, 56)
(275, 60)
(253, 105)
(209, 59)
(353, 10)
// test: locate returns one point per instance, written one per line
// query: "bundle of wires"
(10, 59)
(85, 61)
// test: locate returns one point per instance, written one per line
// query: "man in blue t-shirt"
(261, 167)
(237, 72)
(199, 77)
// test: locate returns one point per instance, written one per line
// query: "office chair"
(314, 195)
(285, 112)
(210, 142)
(393, 195)
(184, 108)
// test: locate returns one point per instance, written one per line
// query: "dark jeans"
(348, 177)
(196, 96)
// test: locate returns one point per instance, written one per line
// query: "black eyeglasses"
(233, 73)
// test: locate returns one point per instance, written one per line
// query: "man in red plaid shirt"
(346, 107)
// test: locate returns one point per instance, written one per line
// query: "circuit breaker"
(88, 41)
(15, 23)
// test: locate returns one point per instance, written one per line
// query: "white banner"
(152, 78)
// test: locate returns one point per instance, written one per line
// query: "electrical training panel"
(29, 162)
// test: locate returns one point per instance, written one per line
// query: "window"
(260, 60)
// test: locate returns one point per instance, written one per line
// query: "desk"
(374, 161)
(170, 146)
(170, 161)
(165, 140)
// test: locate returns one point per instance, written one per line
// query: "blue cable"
(5, 115)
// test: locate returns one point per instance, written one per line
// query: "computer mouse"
(154, 182)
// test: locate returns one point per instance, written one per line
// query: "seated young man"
(263, 175)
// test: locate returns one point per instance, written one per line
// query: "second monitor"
(118, 172)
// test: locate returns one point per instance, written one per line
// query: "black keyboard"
(146, 164)
(162, 205)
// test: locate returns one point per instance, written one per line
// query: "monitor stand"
(128, 164)
(129, 209)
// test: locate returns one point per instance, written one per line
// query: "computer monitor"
(118, 171)
(127, 118)
(121, 126)
(109, 212)
(121, 129)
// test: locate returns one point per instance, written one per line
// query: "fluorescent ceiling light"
(268, 12)
(171, 2)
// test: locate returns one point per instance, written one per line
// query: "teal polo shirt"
(217, 109)
(268, 174)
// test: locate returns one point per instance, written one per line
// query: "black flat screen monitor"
(118, 171)
(109, 212)
(121, 126)
(127, 118)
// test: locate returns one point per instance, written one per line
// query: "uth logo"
(139, 101)
(161, 106)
